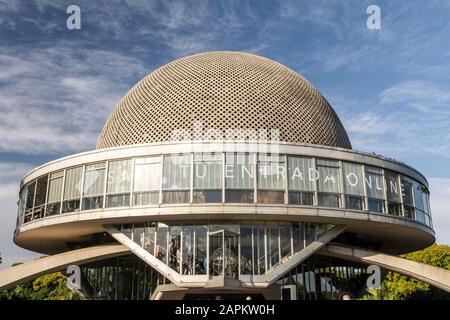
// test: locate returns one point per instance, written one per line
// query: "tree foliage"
(52, 286)
(400, 287)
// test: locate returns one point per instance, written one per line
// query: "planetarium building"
(223, 175)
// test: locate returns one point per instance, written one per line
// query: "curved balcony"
(74, 197)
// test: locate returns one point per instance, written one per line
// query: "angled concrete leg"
(27, 271)
(435, 276)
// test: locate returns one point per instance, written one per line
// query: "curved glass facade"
(234, 249)
(224, 178)
(316, 278)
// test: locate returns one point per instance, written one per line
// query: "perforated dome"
(221, 91)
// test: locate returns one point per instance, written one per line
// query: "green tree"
(52, 286)
(400, 287)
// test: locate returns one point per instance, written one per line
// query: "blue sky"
(390, 87)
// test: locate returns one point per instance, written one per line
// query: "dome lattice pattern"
(223, 90)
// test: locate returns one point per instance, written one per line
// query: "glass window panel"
(161, 242)
(22, 200)
(55, 187)
(353, 178)
(420, 216)
(119, 176)
(117, 200)
(145, 198)
(426, 196)
(127, 230)
(41, 191)
(201, 262)
(91, 203)
(239, 196)
(30, 195)
(407, 190)
(188, 250)
(246, 249)
(310, 233)
(177, 172)
(71, 205)
(176, 196)
(297, 236)
(394, 209)
(239, 171)
(208, 196)
(148, 242)
(301, 174)
(271, 172)
(285, 240)
(301, 198)
(174, 247)
(374, 183)
(272, 245)
(392, 187)
(208, 171)
(266, 196)
(72, 184)
(138, 234)
(419, 199)
(53, 208)
(259, 248)
(147, 174)
(329, 179)
(94, 179)
(408, 212)
(376, 205)
(328, 200)
(354, 202)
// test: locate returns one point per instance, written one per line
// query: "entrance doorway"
(223, 253)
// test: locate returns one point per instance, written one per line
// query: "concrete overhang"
(51, 234)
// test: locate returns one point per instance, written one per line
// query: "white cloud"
(9, 189)
(440, 208)
(57, 99)
(415, 91)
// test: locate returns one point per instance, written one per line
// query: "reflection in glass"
(30, 201)
(118, 183)
(301, 198)
(188, 250)
(407, 197)
(328, 183)
(353, 185)
(301, 173)
(148, 241)
(200, 249)
(39, 199)
(392, 188)
(271, 178)
(176, 179)
(146, 181)
(354, 202)
(93, 186)
(298, 238)
(328, 200)
(174, 247)
(285, 240)
(207, 178)
(72, 188)
(259, 248)
(273, 250)
(247, 264)
(393, 193)
(376, 205)
(239, 178)
(161, 242)
(54, 193)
